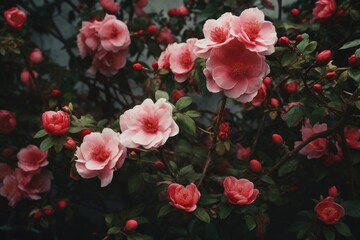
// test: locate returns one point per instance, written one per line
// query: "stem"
(280, 9)
(214, 140)
(347, 158)
(167, 165)
(260, 130)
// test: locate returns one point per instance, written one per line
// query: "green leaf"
(352, 208)
(268, 180)
(59, 143)
(161, 94)
(47, 143)
(250, 222)
(207, 13)
(109, 218)
(202, 214)
(355, 74)
(303, 44)
(114, 230)
(187, 123)
(288, 167)
(343, 229)
(357, 53)
(186, 172)
(293, 115)
(274, 195)
(351, 44)
(224, 210)
(210, 199)
(40, 133)
(193, 114)
(318, 115)
(75, 129)
(329, 232)
(138, 236)
(288, 58)
(163, 72)
(183, 103)
(310, 47)
(164, 210)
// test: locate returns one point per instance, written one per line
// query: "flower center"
(16, 18)
(329, 212)
(218, 35)
(185, 60)
(183, 196)
(150, 125)
(100, 153)
(239, 70)
(252, 29)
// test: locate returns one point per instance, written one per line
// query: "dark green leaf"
(288, 58)
(351, 44)
(163, 72)
(75, 129)
(202, 214)
(343, 229)
(161, 94)
(357, 53)
(114, 230)
(288, 167)
(47, 143)
(355, 74)
(268, 180)
(352, 208)
(250, 222)
(187, 123)
(138, 236)
(310, 47)
(207, 13)
(40, 133)
(329, 232)
(183, 103)
(293, 115)
(193, 114)
(164, 210)
(224, 210)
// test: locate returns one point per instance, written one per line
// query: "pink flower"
(88, 38)
(5, 170)
(27, 79)
(216, 34)
(239, 191)
(316, 148)
(31, 158)
(99, 155)
(15, 17)
(165, 36)
(10, 190)
(56, 123)
(236, 71)
(114, 34)
(352, 136)
(33, 183)
(139, 7)
(329, 211)
(260, 96)
(324, 9)
(242, 153)
(331, 158)
(7, 121)
(180, 11)
(108, 63)
(182, 59)
(36, 56)
(251, 29)
(110, 6)
(164, 59)
(148, 125)
(184, 198)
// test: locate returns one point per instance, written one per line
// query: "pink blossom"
(216, 33)
(260, 96)
(331, 158)
(99, 155)
(242, 153)
(164, 59)
(240, 191)
(88, 38)
(10, 190)
(36, 56)
(7, 121)
(324, 9)
(5, 170)
(165, 36)
(352, 136)
(182, 59)
(56, 123)
(251, 29)
(316, 148)
(139, 7)
(27, 79)
(33, 183)
(108, 63)
(148, 125)
(15, 17)
(236, 71)
(110, 6)
(114, 34)
(31, 158)
(184, 198)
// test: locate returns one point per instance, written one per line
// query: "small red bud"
(299, 37)
(155, 65)
(267, 82)
(317, 87)
(94, 19)
(85, 132)
(354, 62)
(159, 165)
(255, 166)
(304, 20)
(291, 87)
(48, 211)
(340, 12)
(38, 214)
(172, 12)
(152, 29)
(277, 139)
(274, 103)
(295, 12)
(70, 144)
(283, 41)
(333, 192)
(7, 152)
(131, 225)
(137, 66)
(62, 204)
(323, 57)
(330, 75)
(177, 94)
(56, 92)
(140, 32)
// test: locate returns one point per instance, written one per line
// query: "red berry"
(137, 66)
(340, 12)
(56, 92)
(37, 214)
(155, 65)
(159, 165)
(299, 37)
(48, 211)
(323, 57)
(295, 12)
(291, 87)
(62, 204)
(172, 12)
(283, 41)
(354, 61)
(255, 166)
(277, 139)
(177, 94)
(85, 132)
(274, 103)
(267, 82)
(330, 75)
(317, 87)
(333, 192)
(131, 225)
(152, 29)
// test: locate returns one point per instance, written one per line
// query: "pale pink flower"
(239, 191)
(324, 9)
(316, 148)
(114, 34)
(110, 6)
(242, 153)
(10, 190)
(260, 96)
(88, 38)
(31, 158)
(216, 33)
(164, 59)
(251, 29)
(236, 71)
(148, 125)
(27, 79)
(182, 59)
(33, 183)
(352, 137)
(99, 155)
(165, 36)
(184, 198)
(108, 63)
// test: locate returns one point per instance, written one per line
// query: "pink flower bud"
(7, 152)
(182, 11)
(56, 123)
(38, 214)
(274, 103)
(159, 165)
(333, 192)
(330, 75)
(317, 87)
(140, 32)
(137, 66)
(131, 225)
(48, 211)
(56, 92)
(340, 12)
(291, 87)
(323, 58)
(27, 79)
(295, 12)
(354, 62)
(70, 144)
(85, 132)
(267, 82)
(36, 56)
(152, 29)
(62, 204)
(7, 121)
(277, 139)
(177, 94)
(255, 166)
(155, 65)
(15, 17)
(283, 41)
(299, 37)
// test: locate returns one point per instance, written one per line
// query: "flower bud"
(7, 122)
(36, 56)
(333, 192)
(15, 17)
(299, 37)
(131, 225)
(283, 41)
(291, 87)
(137, 66)
(140, 32)
(323, 58)
(152, 29)
(340, 12)
(274, 103)
(38, 214)
(354, 62)
(56, 123)
(70, 144)
(255, 166)
(85, 132)
(304, 20)
(155, 65)
(295, 12)
(330, 75)
(317, 87)
(159, 165)
(277, 139)
(177, 94)
(48, 211)
(62, 204)
(27, 78)
(56, 92)
(267, 82)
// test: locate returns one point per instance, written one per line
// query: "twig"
(260, 130)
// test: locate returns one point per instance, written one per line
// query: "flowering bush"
(212, 120)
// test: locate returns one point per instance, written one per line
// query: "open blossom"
(254, 32)
(110, 6)
(15, 17)
(236, 71)
(31, 158)
(139, 7)
(324, 9)
(7, 121)
(88, 39)
(260, 96)
(5, 170)
(108, 63)
(56, 123)
(329, 211)
(99, 155)
(165, 36)
(316, 148)
(184, 198)
(352, 136)
(332, 157)
(9, 189)
(239, 191)
(33, 183)
(216, 33)
(148, 125)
